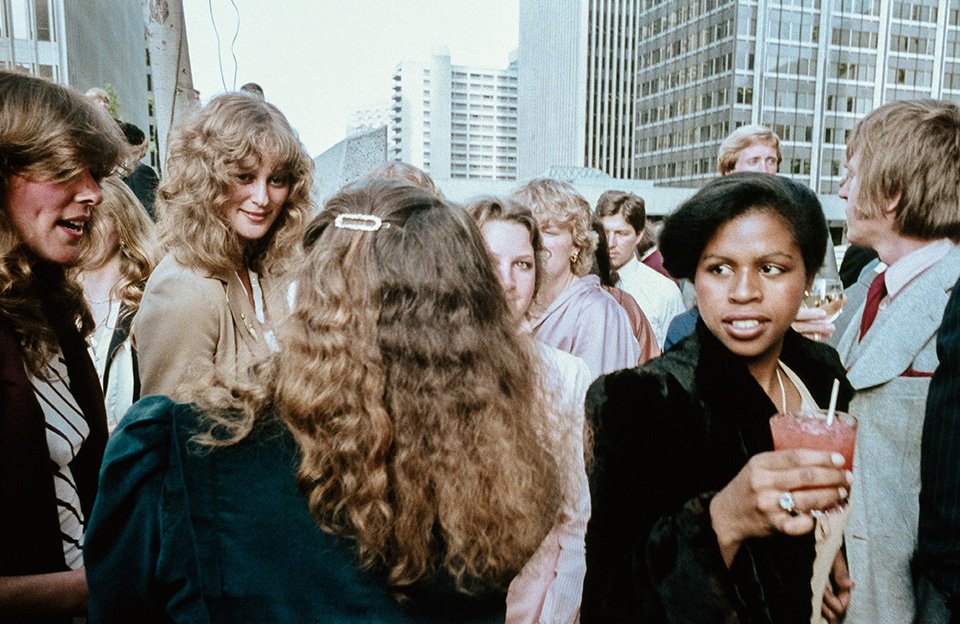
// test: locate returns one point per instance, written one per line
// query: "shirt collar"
(904, 270)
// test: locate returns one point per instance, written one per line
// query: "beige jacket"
(189, 321)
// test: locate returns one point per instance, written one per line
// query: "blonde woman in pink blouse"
(549, 587)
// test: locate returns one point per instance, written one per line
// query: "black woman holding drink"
(695, 517)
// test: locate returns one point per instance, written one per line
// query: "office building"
(454, 121)
(578, 85)
(676, 76)
(84, 45)
(806, 68)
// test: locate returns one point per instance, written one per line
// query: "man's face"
(622, 240)
(760, 158)
(863, 227)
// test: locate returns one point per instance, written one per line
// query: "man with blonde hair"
(750, 148)
(908, 210)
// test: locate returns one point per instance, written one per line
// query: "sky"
(320, 60)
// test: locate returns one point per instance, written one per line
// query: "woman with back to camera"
(571, 311)
(549, 587)
(54, 147)
(402, 487)
(722, 529)
(118, 258)
(231, 209)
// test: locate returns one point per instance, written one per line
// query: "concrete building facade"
(455, 121)
(578, 85)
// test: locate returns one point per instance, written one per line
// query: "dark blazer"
(143, 181)
(30, 523)
(938, 546)
(669, 435)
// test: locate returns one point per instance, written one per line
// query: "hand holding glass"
(825, 293)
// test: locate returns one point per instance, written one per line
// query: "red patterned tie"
(876, 293)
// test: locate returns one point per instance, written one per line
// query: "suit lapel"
(901, 329)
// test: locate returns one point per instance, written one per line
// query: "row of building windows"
(852, 71)
(859, 7)
(912, 45)
(687, 75)
(42, 70)
(800, 27)
(28, 19)
(849, 38)
(793, 60)
(690, 104)
(694, 41)
(679, 14)
(684, 137)
(915, 12)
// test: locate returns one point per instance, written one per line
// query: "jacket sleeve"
(604, 338)
(132, 542)
(176, 329)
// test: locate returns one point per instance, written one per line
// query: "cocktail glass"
(809, 430)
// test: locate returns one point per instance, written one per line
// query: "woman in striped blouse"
(55, 146)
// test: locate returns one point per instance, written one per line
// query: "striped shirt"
(66, 432)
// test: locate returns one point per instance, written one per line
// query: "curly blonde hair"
(422, 422)
(555, 201)
(47, 132)
(230, 129)
(136, 238)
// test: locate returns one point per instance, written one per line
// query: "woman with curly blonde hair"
(402, 486)
(117, 260)
(54, 147)
(571, 311)
(231, 209)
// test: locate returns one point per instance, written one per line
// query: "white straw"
(833, 402)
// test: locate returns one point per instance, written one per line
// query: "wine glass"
(825, 293)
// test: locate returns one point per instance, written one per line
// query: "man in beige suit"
(903, 200)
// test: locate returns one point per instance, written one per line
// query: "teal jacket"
(186, 534)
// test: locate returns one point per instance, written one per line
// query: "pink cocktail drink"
(809, 430)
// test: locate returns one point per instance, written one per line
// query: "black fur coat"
(668, 436)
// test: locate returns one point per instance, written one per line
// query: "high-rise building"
(69, 42)
(806, 68)
(578, 85)
(454, 121)
(649, 88)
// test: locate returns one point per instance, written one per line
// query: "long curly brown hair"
(418, 406)
(136, 236)
(230, 129)
(47, 132)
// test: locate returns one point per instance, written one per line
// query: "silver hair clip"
(361, 222)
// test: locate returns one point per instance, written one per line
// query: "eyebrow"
(766, 256)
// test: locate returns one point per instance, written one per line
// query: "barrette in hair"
(362, 222)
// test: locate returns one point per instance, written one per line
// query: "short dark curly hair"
(688, 230)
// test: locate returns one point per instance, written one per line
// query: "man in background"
(624, 216)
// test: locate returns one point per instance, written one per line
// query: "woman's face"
(558, 241)
(513, 258)
(257, 194)
(750, 282)
(51, 217)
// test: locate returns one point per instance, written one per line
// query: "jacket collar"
(901, 329)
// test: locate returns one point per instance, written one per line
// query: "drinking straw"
(833, 402)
